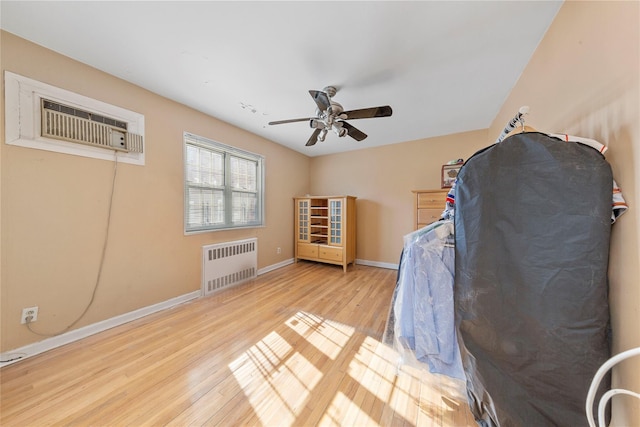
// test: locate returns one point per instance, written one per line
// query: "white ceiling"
(443, 66)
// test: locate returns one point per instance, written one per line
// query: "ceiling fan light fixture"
(322, 135)
(339, 130)
(317, 124)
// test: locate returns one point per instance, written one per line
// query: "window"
(223, 186)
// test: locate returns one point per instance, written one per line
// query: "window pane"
(192, 162)
(243, 208)
(204, 166)
(217, 169)
(205, 207)
(243, 174)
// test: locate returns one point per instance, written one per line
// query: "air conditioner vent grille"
(74, 125)
(54, 106)
(133, 142)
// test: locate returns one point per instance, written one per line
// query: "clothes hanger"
(512, 127)
(522, 128)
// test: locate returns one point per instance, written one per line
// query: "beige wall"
(584, 80)
(54, 208)
(382, 179)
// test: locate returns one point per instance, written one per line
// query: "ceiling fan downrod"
(330, 91)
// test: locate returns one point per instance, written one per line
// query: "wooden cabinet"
(325, 229)
(428, 206)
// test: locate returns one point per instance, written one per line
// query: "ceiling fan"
(331, 116)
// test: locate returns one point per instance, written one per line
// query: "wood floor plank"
(300, 345)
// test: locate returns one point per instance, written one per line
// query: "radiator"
(227, 264)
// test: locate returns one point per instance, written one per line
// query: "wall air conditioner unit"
(70, 124)
(40, 116)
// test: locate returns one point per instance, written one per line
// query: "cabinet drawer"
(436, 200)
(427, 216)
(307, 250)
(333, 254)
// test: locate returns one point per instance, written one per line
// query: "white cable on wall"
(102, 257)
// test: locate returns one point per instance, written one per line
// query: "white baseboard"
(275, 266)
(377, 264)
(358, 261)
(29, 350)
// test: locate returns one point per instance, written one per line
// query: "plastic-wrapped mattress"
(533, 221)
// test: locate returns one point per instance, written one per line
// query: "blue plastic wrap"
(424, 324)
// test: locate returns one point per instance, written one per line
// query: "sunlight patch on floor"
(343, 411)
(327, 336)
(270, 368)
(279, 381)
(374, 366)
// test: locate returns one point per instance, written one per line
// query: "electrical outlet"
(278, 251)
(29, 314)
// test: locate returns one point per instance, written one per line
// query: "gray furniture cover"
(532, 227)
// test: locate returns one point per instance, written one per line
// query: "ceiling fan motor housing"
(334, 109)
(330, 91)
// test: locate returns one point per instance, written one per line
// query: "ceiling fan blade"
(314, 138)
(279, 122)
(367, 113)
(321, 99)
(353, 132)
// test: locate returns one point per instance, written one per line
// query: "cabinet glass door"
(335, 221)
(303, 220)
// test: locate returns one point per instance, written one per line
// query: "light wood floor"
(298, 346)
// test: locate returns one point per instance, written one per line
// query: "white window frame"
(227, 151)
(23, 119)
